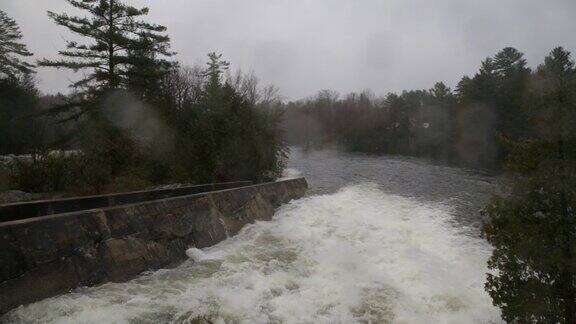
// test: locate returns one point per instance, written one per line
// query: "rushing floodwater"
(377, 240)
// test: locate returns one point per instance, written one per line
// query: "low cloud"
(346, 45)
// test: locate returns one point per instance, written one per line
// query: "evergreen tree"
(113, 35)
(11, 49)
(480, 88)
(214, 71)
(145, 74)
(440, 91)
(119, 52)
(437, 122)
(492, 108)
(398, 123)
(512, 81)
(532, 224)
(19, 131)
(223, 133)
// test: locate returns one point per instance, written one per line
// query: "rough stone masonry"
(45, 256)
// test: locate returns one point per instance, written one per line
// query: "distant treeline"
(468, 126)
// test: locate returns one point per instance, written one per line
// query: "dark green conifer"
(113, 35)
(531, 223)
(11, 49)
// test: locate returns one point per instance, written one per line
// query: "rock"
(124, 258)
(12, 262)
(42, 282)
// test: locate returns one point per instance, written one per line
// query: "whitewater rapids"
(358, 255)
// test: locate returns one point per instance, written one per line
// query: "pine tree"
(492, 107)
(19, 131)
(440, 91)
(113, 35)
(11, 49)
(19, 101)
(440, 117)
(145, 75)
(512, 74)
(117, 51)
(216, 67)
(532, 224)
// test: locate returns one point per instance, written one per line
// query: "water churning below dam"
(377, 240)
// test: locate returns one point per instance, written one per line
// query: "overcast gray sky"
(303, 46)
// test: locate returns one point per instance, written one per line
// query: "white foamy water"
(356, 256)
(290, 173)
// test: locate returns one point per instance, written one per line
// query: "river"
(376, 240)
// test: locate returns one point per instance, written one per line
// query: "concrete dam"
(51, 247)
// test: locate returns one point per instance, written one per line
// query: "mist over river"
(376, 240)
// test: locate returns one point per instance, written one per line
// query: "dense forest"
(135, 118)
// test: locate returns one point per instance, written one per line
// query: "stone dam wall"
(45, 256)
(22, 210)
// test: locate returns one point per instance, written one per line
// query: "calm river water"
(376, 240)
